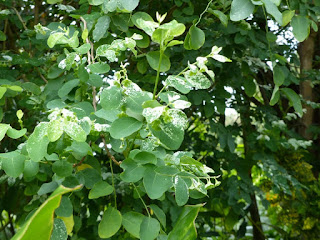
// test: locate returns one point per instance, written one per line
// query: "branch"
(21, 20)
(42, 77)
(108, 152)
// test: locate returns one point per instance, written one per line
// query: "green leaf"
(185, 226)
(287, 15)
(168, 134)
(135, 100)
(222, 17)
(132, 171)
(54, 71)
(55, 130)
(152, 114)
(294, 99)
(3, 130)
(62, 168)
(53, 1)
(40, 224)
(179, 83)
(12, 163)
(99, 68)
(74, 131)
(55, 38)
(158, 180)
(181, 191)
(145, 157)
(101, 28)
(273, 10)
(83, 49)
(3, 37)
(2, 91)
(31, 168)
(181, 104)
(124, 127)
(110, 223)
(129, 5)
(131, 222)
(100, 189)
(95, 80)
(47, 188)
(96, 2)
(159, 214)
(145, 22)
(149, 229)
(67, 87)
(111, 98)
(241, 9)
(301, 27)
(275, 96)
(198, 80)
(79, 149)
(65, 209)
(59, 231)
(90, 176)
(196, 37)
(38, 142)
(278, 76)
(249, 87)
(153, 59)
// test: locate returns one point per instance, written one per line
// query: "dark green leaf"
(149, 229)
(100, 189)
(153, 59)
(110, 223)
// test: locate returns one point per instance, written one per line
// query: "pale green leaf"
(294, 99)
(99, 68)
(12, 163)
(3, 130)
(55, 130)
(273, 10)
(111, 98)
(124, 127)
(40, 224)
(38, 142)
(301, 27)
(101, 27)
(181, 191)
(241, 9)
(74, 131)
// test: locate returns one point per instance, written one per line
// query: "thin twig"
(108, 152)
(203, 12)
(21, 20)
(144, 204)
(79, 163)
(42, 77)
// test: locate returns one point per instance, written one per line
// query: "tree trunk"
(306, 51)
